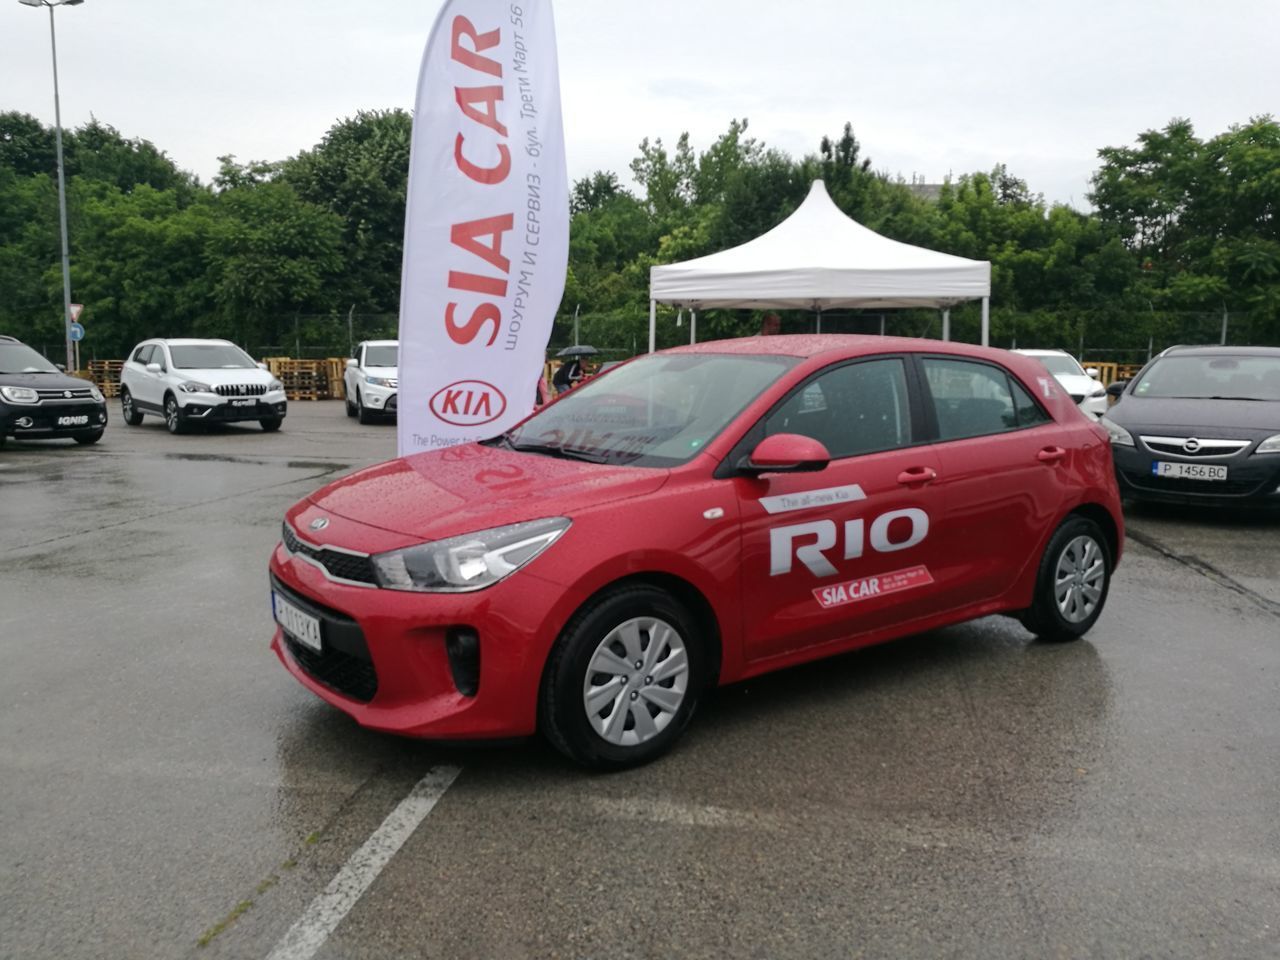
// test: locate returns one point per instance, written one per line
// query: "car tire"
(1072, 583)
(86, 439)
(132, 415)
(173, 415)
(351, 407)
(271, 424)
(595, 699)
(362, 413)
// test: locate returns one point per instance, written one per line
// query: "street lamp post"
(62, 179)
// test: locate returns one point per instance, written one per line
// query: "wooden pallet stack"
(334, 369)
(302, 379)
(106, 375)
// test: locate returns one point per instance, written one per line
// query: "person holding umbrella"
(570, 373)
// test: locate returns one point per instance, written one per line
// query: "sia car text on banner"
(486, 225)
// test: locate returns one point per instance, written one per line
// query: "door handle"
(1051, 455)
(917, 476)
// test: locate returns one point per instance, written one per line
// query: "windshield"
(1061, 365)
(19, 358)
(1212, 378)
(380, 356)
(210, 356)
(657, 411)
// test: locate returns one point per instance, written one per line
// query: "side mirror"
(1116, 389)
(1092, 372)
(154, 368)
(786, 453)
(351, 363)
(262, 366)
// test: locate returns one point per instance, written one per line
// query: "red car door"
(1002, 476)
(846, 550)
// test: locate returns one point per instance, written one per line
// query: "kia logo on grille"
(469, 403)
(319, 523)
(1192, 445)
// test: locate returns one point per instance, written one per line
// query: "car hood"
(473, 487)
(43, 381)
(216, 377)
(1076, 384)
(389, 373)
(1207, 417)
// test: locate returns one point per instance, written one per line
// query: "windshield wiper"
(562, 453)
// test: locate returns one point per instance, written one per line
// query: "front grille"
(72, 393)
(1203, 488)
(1176, 447)
(345, 566)
(240, 390)
(340, 671)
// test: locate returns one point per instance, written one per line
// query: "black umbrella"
(582, 351)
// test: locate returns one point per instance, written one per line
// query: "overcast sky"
(932, 86)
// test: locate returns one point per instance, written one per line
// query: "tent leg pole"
(946, 324)
(986, 321)
(693, 326)
(653, 325)
(882, 324)
(819, 329)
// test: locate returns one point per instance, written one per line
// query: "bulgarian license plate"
(73, 421)
(1188, 471)
(243, 403)
(301, 626)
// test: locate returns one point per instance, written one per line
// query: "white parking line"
(326, 911)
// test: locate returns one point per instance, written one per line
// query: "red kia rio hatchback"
(692, 518)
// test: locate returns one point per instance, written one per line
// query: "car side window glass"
(142, 354)
(157, 356)
(1030, 413)
(852, 409)
(970, 399)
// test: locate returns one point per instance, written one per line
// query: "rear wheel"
(1072, 584)
(173, 415)
(85, 439)
(132, 415)
(271, 424)
(623, 680)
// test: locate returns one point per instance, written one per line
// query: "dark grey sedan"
(1200, 424)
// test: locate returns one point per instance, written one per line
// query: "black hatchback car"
(1200, 424)
(40, 402)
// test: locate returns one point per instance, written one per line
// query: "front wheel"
(362, 413)
(1072, 584)
(271, 424)
(132, 415)
(623, 680)
(173, 416)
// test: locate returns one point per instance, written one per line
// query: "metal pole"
(575, 324)
(693, 326)
(946, 324)
(62, 199)
(653, 325)
(986, 321)
(1224, 324)
(351, 336)
(882, 324)
(819, 329)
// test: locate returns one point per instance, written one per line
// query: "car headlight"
(378, 381)
(469, 562)
(97, 394)
(1269, 445)
(194, 386)
(274, 385)
(1119, 435)
(19, 394)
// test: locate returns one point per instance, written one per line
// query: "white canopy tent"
(819, 259)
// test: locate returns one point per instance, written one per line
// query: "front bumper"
(232, 410)
(401, 662)
(1250, 479)
(379, 399)
(51, 420)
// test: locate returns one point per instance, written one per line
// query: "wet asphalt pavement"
(165, 784)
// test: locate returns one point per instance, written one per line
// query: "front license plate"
(243, 403)
(301, 626)
(1188, 471)
(73, 421)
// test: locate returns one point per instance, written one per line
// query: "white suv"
(1089, 395)
(198, 381)
(372, 380)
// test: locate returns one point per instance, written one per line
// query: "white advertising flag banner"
(486, 242)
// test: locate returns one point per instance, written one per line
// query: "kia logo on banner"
(486, 244)
(469, 403)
